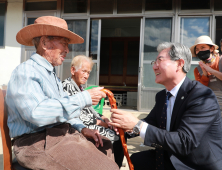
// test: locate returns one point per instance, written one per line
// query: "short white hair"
(77, 61)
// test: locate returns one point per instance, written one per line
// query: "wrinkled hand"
(106, 120)
(123, 119)
(93, 134)
(101, 123)
(96, 95)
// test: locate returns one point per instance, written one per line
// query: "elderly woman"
(209, 71)
(81, 67)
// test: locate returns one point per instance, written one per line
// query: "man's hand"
(123, 119)
(96, 95)
(93, 134)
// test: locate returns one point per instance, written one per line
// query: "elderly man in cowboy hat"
(42, 119)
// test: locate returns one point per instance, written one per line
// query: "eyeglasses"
(158, 60)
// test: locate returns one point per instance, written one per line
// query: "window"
(218, 32)
(217, 5)
(2, 22)
(101, 6)
(31, 21)
(154, 5)
(79, 27)
(34, 5)
(195, 4)
(156, 31)
(193, 27)
(75, 6)
(190, 29)
(94, 33)
(129, 6)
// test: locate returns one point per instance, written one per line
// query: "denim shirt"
(36, 100)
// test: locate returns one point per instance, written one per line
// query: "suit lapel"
(181, 97)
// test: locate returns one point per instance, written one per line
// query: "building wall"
(10, 55)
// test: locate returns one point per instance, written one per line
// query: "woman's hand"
(206, 68)
(202, 66)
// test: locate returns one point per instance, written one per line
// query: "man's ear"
(73, 70)
(44, 43)
(181, 63)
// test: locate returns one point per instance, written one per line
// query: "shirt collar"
(42, 62)
(175, 90)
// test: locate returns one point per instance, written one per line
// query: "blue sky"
(191, 28)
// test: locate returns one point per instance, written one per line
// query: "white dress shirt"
(172, 99)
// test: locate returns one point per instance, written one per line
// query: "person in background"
(81, 67)
(209, 71)
(42, 119)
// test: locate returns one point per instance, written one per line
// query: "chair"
(6, 140)
(99, 107)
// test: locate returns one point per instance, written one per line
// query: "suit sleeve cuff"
(143, 130)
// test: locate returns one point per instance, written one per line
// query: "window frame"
(60, 73)
(194, 11)
(142, 48)
(190, 16)
(4, 1)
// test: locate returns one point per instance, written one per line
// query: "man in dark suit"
(185, 124)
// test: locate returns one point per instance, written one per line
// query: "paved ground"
(134, 144)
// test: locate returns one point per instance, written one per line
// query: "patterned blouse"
(88, 115)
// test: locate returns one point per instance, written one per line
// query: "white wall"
(10, 56)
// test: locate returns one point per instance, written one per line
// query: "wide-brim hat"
(202, 40)
(48, 26)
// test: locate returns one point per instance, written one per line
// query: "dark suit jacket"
(195, 137)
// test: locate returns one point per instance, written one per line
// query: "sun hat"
(202, 40)
(49, 26)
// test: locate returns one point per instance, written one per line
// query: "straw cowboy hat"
(202, 40)
(49, 26)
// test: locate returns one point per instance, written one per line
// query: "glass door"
(79, 27)
(218, 36)
(190, 29)
(94, 51)
(156, 30)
